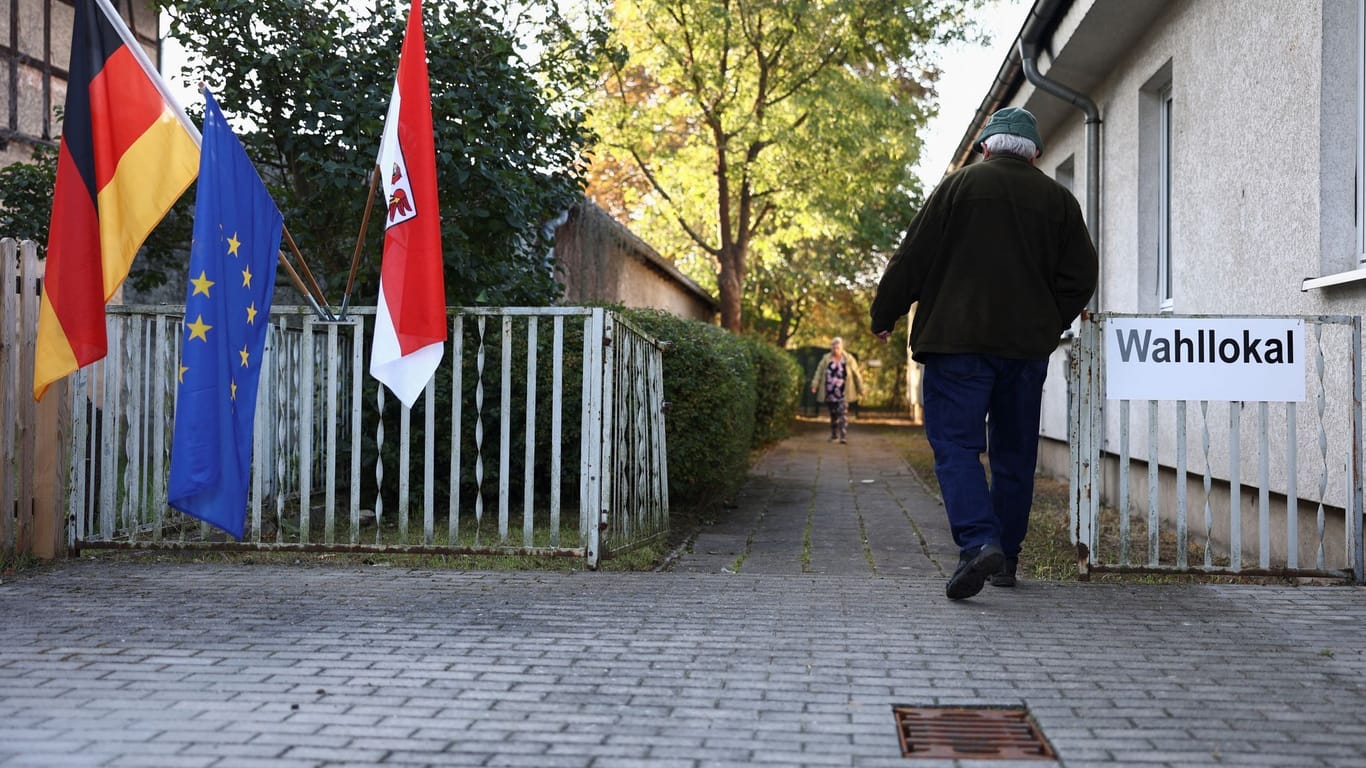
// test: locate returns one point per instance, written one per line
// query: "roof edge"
(1043, 16)
(647, 253)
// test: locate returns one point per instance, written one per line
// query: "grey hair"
(837, 340)
(1010, 144)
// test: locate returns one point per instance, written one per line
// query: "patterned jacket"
(853, 378)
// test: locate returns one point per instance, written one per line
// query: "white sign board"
(1194, 358)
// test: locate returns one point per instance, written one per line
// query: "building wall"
(599, 260)
(1246, 185)
(1262, 189)
(1262, 197)
(35, 49)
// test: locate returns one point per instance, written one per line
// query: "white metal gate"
(541, 434)
(1189, 486)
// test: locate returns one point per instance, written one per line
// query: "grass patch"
(863, 540)
(685, 520)
(806, 545)
(642, 559)
(16, 566)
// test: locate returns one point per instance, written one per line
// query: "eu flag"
(227, 310)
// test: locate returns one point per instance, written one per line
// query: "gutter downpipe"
(1029, 54)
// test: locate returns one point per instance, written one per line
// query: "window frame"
(1165, 260)
(1359, 209)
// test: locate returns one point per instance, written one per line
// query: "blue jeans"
(976, 404)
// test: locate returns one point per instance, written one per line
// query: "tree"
(26, 196)
(309, 84)
(780, 294)
(761, 128)
(791, 279)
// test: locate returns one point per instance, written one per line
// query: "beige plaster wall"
(1264, 162)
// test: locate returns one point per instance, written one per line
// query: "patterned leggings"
(839, 418)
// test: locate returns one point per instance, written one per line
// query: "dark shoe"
(974, 570)
(1006, 576)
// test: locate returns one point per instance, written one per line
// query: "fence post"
(40, 424)
(1081, 378)
(12, 336)
(52, 452)
(594, 427)
(607, 478)
(1354, 507)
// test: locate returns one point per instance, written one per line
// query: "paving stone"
(796, 660)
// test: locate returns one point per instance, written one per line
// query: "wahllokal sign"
(1204, 358)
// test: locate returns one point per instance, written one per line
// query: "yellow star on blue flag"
(236, 237)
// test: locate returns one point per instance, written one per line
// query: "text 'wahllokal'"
(1206, 346)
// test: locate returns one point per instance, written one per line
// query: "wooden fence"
(27, 442)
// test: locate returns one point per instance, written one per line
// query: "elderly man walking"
(1000, 262)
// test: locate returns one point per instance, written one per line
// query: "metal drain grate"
(939, 733)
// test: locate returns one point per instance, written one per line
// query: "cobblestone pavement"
(813, 506)
(791, 661)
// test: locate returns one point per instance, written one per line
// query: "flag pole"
(284, 262)
(299, 284)
(360, 240)
(135, 48)
(308, 273)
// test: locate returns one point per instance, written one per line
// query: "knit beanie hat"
(1015, 121)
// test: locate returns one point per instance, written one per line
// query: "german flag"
(125, 159)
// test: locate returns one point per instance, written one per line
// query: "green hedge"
(778, 388)
(727, 395)
(709, 383)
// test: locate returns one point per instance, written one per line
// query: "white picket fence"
(554, 446)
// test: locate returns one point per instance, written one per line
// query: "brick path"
(142, 664)
(812, 506)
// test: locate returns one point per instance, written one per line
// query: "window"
(1164, 200)
(1361, 134)
(1156, 277)
(1066, 174)
(1342, 154)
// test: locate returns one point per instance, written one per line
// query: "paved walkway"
(793, 661)
(813, 506)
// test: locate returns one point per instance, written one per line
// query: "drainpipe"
(1030, 37)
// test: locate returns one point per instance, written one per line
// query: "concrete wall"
(598, 259)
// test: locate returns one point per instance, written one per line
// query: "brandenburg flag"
(125, 158)
(410, 321)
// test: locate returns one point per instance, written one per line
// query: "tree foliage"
(308, 82)
(26, 214)
(26, 196)
(738, 133)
